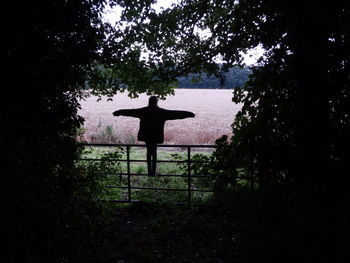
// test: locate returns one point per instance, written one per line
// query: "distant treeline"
(236, 77)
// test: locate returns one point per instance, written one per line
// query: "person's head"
(153, 101)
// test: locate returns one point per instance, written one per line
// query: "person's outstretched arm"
(178, 114)
(130, 113)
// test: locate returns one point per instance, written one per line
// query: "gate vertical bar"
(189, 179)
(128, 171)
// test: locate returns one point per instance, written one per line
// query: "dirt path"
(152, 233)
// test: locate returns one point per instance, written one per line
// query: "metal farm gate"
(250, 180)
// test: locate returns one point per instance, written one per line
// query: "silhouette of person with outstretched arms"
(152, 120)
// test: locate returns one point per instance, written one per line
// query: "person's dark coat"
(152, 120)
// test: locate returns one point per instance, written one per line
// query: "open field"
(214, 111)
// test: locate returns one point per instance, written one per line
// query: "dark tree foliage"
(289, 116)
(49, 48)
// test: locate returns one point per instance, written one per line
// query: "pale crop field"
(213, 108)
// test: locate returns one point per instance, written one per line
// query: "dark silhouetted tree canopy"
(49, 49)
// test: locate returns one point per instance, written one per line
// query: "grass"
(169, 175)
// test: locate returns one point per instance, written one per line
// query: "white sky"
(112, 15)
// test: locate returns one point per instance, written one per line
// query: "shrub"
(105, 134)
